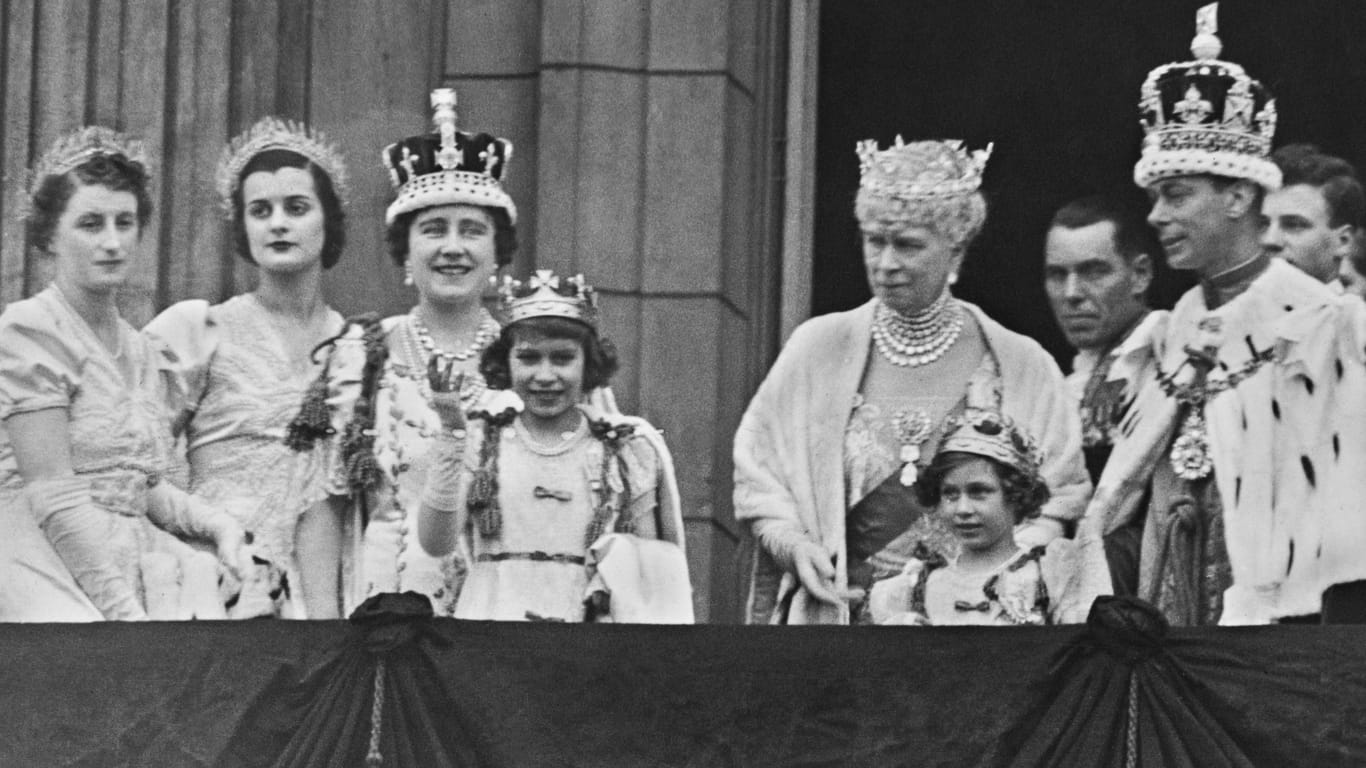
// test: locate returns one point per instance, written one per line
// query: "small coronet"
(546, 294)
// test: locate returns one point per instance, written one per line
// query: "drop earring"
(408, 274)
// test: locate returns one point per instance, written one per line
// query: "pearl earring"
(408, 274)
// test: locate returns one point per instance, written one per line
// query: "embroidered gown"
(886, 524)
(1038, 586)
(382, 526)
(120, 438)
(241, 392)
(554, 503)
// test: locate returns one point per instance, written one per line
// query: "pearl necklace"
(421, 349)
(488, 331)
(919, 339)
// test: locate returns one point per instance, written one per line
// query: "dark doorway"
(1054, 83)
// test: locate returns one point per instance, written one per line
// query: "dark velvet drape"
(486, 694)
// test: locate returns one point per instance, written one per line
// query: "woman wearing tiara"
(87, 438)
(827, 453)
(369, 423)
(247, 362)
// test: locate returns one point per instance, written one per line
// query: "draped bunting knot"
(1127, 628)
(390, 621)
(384, 624)
(965, 606)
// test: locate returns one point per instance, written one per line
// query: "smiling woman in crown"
(828, 452)
(367, 425)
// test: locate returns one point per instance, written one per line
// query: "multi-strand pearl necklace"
(919, 339)
(425, 349)
(484, 336)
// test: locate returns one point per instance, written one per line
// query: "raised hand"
(446, 383)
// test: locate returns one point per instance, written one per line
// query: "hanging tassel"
(313, 422)
(358, 439)
(358, 454)
(482, 498)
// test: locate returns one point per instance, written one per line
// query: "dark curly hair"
(114, 172)
(334, 218)
(504, 235)
(1025, 494)
(599, 354)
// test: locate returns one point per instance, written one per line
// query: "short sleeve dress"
(120, 437)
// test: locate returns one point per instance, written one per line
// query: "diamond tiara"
(276, 133)
(73, 149)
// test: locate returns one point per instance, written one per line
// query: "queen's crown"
(448, 166)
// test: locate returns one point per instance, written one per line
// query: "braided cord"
(374, 758)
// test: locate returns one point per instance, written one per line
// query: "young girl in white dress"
(983, 482)
(535, 477)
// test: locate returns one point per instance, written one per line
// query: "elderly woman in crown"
(827, 454)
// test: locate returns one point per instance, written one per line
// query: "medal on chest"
(912, 428)
(1191, 457)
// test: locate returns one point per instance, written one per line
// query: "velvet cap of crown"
(448, 167)
(993, 435)
(545, 294)
(1206, 116)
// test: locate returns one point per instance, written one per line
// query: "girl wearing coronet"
(983, 482)
(539, 482)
